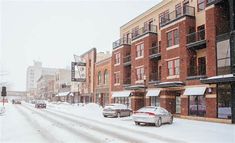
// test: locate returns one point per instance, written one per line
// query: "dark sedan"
(116, 110)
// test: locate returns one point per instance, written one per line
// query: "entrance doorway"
(197, 106)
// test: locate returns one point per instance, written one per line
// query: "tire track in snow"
(43, 132)
(151, 135)
(83, 134)
(110, 132)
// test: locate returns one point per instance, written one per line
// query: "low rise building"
(102, 81)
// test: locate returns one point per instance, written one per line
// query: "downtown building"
(102, 79)
(179, 55)
(33, 74)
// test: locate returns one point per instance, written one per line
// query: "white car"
(152, 115)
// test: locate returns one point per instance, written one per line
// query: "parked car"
(152, 115)
(40, 104)
(16, 101)
(116, 110)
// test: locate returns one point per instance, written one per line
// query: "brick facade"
(201, 52)
(103, 89)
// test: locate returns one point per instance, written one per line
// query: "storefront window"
(155, 101)
(122, 100)
(197, 105)
(224, 101)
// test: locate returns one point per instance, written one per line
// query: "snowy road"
(70, 124)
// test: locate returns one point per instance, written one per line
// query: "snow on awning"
(63, 93)
(153, 92)
(170, 84)
(195, 91)
(125, 93)
(219, 79)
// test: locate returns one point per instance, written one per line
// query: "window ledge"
(172, 47)
(116, 84)
(117, 64)
(173, 77)
(139, 57)
(139, 81)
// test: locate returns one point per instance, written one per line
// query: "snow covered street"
(65, 123)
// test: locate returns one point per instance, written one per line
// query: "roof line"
(155, 7)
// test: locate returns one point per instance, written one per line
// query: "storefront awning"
(153, 92)
(135, 87)
(194, 91)
(219, 79)
(170, 84)
(64, 94)
(125, 93)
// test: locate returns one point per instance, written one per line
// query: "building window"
(173, 38)
(173, 67)
(135, 32)
(201, 5)
(223, 57)
(123, 100)
(99, 77)
(178, 10)
(140, 73)
(164, 17)
(106, 76)
(155, 101)
(117, 58)
(224, 101)
(116, 78)
(140, 50)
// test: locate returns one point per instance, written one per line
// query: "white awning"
(125, 93)
(195, 91)
(63, 93)
(153, 92)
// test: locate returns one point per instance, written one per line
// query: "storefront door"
(197, 105)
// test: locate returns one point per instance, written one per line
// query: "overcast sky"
(51, 31)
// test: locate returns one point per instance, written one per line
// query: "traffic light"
(4, 91)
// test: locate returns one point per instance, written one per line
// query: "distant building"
(43, 84)
(62, 86)
(33, 74)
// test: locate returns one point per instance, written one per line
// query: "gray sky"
(51, 31)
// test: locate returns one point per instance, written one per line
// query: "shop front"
(152, 96)
(122, 97)
(196, 100)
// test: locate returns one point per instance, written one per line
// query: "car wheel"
(158, 123)
(137, 123)
(118, 115)
(105, 116)
(171, 120)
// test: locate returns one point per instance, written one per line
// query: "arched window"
(106, 76)
(99, 77)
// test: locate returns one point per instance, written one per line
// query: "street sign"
(78, 71)
(4, 91)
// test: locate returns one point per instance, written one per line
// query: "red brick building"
(168, 55)
(102, 81)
